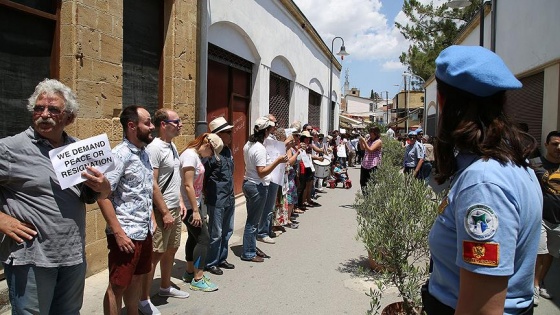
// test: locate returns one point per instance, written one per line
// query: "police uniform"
(489, 222)
(489, 225)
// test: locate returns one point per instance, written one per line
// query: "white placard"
(306, 159)
(274, 148)
(341, 150)
(71, 160)
(289, 131)
(277, 175)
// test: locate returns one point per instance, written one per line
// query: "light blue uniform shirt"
(514, 197)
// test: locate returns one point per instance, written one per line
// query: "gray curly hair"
(50, 87)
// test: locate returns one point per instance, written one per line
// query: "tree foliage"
(430, 30)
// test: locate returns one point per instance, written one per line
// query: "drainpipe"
(493, 18)
(201, 125)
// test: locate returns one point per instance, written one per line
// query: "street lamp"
(459, 4)
(342, 53)
(407, 101)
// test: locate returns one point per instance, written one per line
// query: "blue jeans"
(265, 224)
(255, 196)
(220, 227)
(42, 290)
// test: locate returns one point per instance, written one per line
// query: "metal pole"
(406, 100)
(387, 105)
(329, 107)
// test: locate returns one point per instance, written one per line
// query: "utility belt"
(433, 306)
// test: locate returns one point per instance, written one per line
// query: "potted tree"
(394, 219)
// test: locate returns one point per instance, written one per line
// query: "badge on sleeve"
(483, 254)
(481, 222)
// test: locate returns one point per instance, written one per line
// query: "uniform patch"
(481, 222)
(483, 254)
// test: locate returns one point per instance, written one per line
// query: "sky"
(370, 36)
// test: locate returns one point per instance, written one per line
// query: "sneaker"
(172, 292)
(266, 239)
(536, 296)
(204, 285)
(188, 277)
(147, 308)
(544, 293)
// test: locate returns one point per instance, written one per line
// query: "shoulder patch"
(481, 222)
(483, 254)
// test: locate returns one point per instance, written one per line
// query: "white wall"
(263, 31)
(357, 104)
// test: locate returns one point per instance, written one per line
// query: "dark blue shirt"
(218, 180)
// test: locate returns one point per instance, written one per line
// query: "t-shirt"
(165, 158)
(190, 158)
(254, 154)
(549, 177)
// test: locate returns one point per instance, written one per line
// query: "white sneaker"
(172, 292)
(536, 295)
(266, 239)
(544, 293)
(147, 308)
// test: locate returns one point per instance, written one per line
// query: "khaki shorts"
(170, 238)
(550, 239)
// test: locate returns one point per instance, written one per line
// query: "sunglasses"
(53, 110)
(175, 121)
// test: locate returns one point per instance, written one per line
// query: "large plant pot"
(397, 308)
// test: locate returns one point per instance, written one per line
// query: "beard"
(145, 137)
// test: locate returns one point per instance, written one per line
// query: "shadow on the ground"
(358, 267)
(347, 206)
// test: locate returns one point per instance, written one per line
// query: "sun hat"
(263, 123)
(217, 144)
(306, 134)
(474, 69)
(219, 124)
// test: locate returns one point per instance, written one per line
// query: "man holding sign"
(44, 225)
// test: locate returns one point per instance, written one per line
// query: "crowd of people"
(491, 245)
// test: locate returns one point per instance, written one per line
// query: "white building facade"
(525, 34)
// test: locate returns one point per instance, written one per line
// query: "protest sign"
(71, 160)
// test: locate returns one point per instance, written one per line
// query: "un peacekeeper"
(485, 239)
(43, 226)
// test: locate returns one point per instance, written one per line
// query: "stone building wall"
(91, 54)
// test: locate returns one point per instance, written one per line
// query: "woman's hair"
(198, 142)
(376, 131)
(258, 135)
(477, 125)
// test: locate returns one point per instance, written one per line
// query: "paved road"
(319, 268)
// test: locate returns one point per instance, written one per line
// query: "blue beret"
(412, 133)
(474, 69)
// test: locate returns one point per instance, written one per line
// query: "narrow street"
(312, 270)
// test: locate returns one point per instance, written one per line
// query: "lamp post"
(408, 74)
(459, 4)
(342, 53)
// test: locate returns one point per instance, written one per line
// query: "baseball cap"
(263, 123)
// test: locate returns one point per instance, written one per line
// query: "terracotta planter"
(397, 308)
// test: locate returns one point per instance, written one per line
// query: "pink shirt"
(371, 158)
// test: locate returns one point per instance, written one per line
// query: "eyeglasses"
(53, 110)
(175, 121)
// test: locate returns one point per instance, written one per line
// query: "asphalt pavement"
(319, 268)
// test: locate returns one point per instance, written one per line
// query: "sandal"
(299, 211)
(292, 225)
